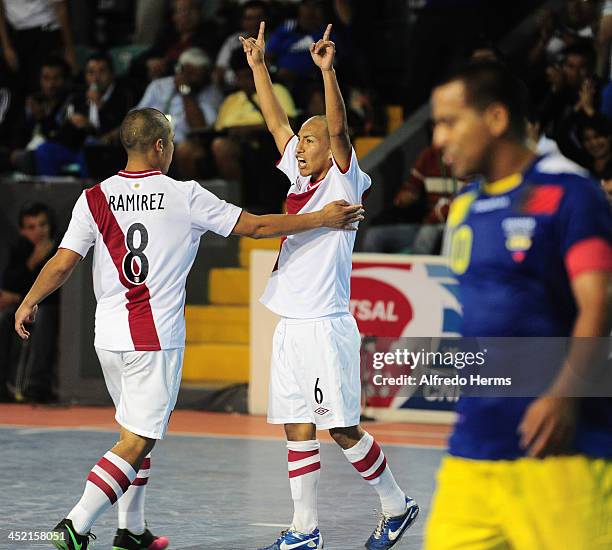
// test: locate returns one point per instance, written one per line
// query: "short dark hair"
(31, 209)
(238, 60)
(141, 128)
(583, 48)
(599, 123)
(255, 4)
(488, 82)
(56, 62)
(102, 56)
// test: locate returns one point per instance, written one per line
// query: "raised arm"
(273, 113)
(323, 53)
(336, 215)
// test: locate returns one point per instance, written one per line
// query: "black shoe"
(64, 537)
(126, 540)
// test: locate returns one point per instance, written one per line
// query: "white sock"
(304, 473)
(106, 482)
(369, 460)
(131, 505)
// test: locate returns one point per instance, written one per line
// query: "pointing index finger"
(327, 32)
(262, 30)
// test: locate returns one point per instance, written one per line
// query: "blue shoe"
(294, 540)
(390, 529)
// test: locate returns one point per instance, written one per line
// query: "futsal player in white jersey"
(145, 229)
(314, 378)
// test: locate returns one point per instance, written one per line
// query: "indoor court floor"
(218, 481)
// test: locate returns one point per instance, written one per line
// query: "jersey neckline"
(138, 174)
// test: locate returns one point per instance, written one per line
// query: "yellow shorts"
(556, 503)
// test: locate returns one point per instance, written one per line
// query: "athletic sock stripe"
(146, 464)
(103, 486)
(105, 476)
(140, 481)
(369, 459)
(300, 455)
(144, 473)
(304, 462)
(378, 472)
(375, 466)
(305, 470)
(116, 472)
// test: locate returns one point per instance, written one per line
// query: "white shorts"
(144, 386)
(315, 374)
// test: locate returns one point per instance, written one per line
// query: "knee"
(139, 445)
(224, 148)
(300, 432)
(347, 437)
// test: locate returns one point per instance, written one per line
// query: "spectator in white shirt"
(190, 101)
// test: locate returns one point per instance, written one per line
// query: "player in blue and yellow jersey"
(531, 248)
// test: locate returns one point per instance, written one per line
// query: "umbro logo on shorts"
(321, 411)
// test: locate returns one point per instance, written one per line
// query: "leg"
(187, 155)
(227, 155)
(287, 406)
(304, 473)
(109, 479)
(559, 502)
(39, 368)
(390, 238)
(428, 239)
(369, 460)
(144, 387)
(466, 511)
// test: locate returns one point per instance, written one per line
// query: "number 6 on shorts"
(318, 393)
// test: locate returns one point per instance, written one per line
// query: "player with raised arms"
(145, 229)
(315, 378)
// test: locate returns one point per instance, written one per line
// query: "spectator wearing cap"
(190, 101)
(246, 139)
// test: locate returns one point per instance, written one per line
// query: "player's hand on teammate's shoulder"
(323, 51)
(342, 215)
(255, 48)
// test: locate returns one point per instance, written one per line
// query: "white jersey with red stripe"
(145, 229)
(312, 275)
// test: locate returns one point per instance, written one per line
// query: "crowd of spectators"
(60, 115)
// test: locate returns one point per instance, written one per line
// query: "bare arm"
(55, 273)
(7, 48)
(323, 55)
(61, 11)
(604, 38)
(273, 113)
(548, 424)
(336, 215)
